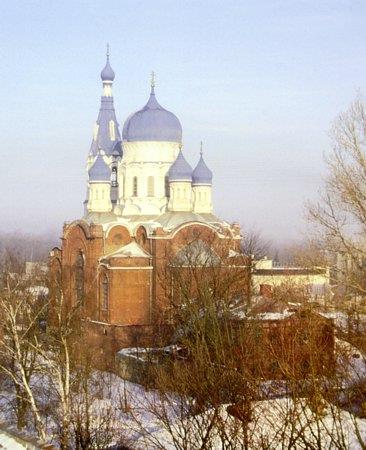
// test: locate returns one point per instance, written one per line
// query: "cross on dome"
(152, 81)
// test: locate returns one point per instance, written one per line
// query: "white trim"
(136, 227)
(127, 268)
(99, 181)
(170, 236)
(187, 224)
(112, 225)
(107, 324)
(181, 180)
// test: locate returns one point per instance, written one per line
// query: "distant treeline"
(26, 247)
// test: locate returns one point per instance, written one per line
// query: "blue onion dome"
(201, 174)
(107, 74)
(99, 171)
(152, 123)
(180, 170)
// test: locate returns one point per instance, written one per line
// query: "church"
(145, 206)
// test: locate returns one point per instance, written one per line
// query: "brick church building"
(145, 207)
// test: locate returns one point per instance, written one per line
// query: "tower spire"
(152, 82)
(106, 134)
(201, 146)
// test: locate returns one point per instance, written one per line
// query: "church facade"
(144, 205)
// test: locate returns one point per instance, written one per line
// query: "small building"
(294, 345)
(314, 281)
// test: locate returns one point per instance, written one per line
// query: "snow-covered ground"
(142, 419)
(351, 364)
(150, 422)
(9, 442)
(275, 422)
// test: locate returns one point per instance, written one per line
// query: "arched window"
(114, 176)
(95, 131)
(141, 236)
(112, 132)
(150, 186)
(80, 278)
(167, 190)
(105, 292)
(134, 186)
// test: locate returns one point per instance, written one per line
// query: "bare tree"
(340, 214)
(50, 367)
(21, 313)
(213, 393)
(255, 247)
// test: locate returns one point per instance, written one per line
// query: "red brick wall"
(137, 286)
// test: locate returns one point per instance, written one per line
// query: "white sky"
(258, 81)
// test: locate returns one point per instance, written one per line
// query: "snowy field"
(142, 419)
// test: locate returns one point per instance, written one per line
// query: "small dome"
(201, 174)
(107, 74)
(117, 150)
(152, 123)
(180, 169)
(99, 171)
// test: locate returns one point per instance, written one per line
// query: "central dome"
(152, 123)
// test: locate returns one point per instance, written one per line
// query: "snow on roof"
(339, 318)
(131, 250)
(273, 315)
(233, 253)
(139, 352)
(38, 290)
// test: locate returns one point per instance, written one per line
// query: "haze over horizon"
(259, 83)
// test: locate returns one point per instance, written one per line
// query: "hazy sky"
(258, 81)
